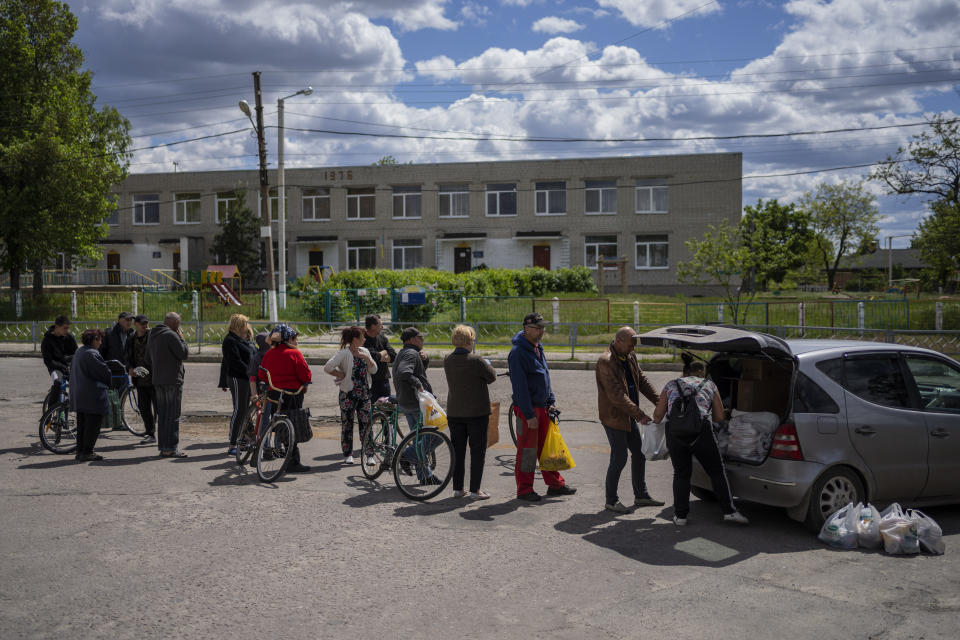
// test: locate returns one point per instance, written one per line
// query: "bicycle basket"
(300, 419)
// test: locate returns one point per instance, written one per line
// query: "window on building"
(113, 219)
(186, 208)
(502, 199)
(406, 202)
(146, 209)
(361, 254)
(407, 254)
(652, 252)
(551, 198)
(225, 199)
(274, 207)
(652, 197)
(600, 197)
(598, 247)
(361, 203)
(454, 201)
(316, 204)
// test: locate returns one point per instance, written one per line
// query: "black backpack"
(685, 421)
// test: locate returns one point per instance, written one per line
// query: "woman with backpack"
(691, 405)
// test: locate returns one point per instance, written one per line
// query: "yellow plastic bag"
(555, 456)
(433, 413)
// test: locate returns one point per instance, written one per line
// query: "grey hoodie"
(166, 352)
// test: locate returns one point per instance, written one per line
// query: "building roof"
(906, 258)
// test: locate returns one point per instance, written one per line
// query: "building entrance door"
(113, 268)
(176, 266)
(462, 259)
(541, 257)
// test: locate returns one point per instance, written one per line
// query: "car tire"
(703, 494)
(834, 489)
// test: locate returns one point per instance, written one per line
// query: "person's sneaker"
(297, 468)
(432, 480)
(232, 451)
(90, 457)
(646, 501)
(617, 507)
(680, 522)
(148, 439)
(565, 490)
(735, 517)
(533, 496)
(371, 461)
(459, 494)
(348, 460)
(479, 495)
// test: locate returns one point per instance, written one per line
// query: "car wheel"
(703, 494)
(834, 489)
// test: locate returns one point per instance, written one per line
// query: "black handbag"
(300, 419)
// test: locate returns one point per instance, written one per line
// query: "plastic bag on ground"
(555, 456)
(653, 436)
(899, 531)
(433, 413)
(929, 533)
(868, 527)
(840, 528)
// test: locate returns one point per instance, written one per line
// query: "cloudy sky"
(453, 80)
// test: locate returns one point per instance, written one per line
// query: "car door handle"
(940, 433)
(865, 431)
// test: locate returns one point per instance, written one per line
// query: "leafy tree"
(59, 155)
(929, 165)
(938, 239)
(239, 238)
(775, 238)
(719, 258)
(842, 217)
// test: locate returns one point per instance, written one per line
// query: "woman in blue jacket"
(89, 381)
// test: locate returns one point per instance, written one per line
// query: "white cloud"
(651, 13)
(475, 13)
(553, 24)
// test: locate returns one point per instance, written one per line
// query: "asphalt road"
(139, 547)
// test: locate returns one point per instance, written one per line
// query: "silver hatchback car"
(857, 421)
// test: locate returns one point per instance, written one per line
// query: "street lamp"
(890, 257)
(282, 194)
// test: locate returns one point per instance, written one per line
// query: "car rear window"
(809, 397)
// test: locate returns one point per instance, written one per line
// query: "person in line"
(289, 371)
(620, 383)
(533, 399)
(379, 347)
(409, 379)
(468, 409)
(237, 351)
(352, 369)
(135, 359)
(703, 447)
(57, 348)
(262, 340)
(90, 377)
(166, 351)
(115, 338)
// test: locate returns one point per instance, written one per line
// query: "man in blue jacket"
(532, 399)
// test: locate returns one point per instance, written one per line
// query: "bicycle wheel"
(58, 429)
(428, 455)
(130, 412)
(276, 447)
(510, 420)
(376, 451)
(247, 440)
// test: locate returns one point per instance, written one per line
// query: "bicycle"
(273, 445)
(58, 425)
(417, 462)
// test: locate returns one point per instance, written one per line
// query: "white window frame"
(601, 187)
(647, 241)
(595, 245)
(274, 207)
(402, 249)
(647, 192)
(139, 202)
(353, 254)
(356, 198)
(405, 196)
(453, 193)
(310, 198)
(113, 219)
(546, 194)
(225, 200)
(498, 193)
(181, 205)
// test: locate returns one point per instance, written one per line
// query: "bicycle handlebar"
(284, 391)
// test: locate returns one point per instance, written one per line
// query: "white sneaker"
(735, 517)
(680, 522)
(348, 460)
(617, 507)
(371, 461)
(480, 495)
(459, 494)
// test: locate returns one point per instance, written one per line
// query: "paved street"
(139, 547)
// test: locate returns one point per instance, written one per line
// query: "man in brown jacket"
(620, 383)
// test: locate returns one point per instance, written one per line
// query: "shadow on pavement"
(372, 492)
(446, 505)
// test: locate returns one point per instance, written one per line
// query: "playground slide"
(226, 293)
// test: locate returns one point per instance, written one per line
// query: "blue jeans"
(427, 444)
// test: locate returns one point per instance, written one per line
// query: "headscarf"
(286, 333)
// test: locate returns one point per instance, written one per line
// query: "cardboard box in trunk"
(763, 395)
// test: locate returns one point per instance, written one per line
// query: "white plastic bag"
(433, 413)
(653, 436)
(868, 526)
(840, 528)
(929, 533)
(899, 531)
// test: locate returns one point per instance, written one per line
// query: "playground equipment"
(217, 277)
(319, 271)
